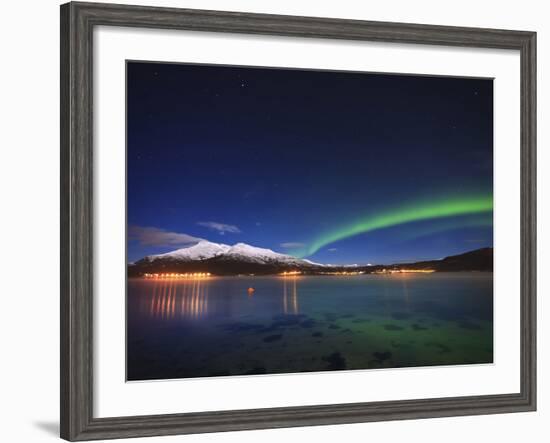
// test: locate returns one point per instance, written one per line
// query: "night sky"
(337, 167)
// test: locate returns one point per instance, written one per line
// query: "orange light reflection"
(172, 299)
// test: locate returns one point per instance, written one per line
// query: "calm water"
(212, 327)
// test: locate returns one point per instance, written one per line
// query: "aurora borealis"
(407, 214)
(336, 167)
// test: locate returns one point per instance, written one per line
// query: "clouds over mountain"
(221, 228)
(150, 236)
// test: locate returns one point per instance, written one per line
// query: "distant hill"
(478, 260)
(220, 259)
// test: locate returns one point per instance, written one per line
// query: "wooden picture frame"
(77, 23)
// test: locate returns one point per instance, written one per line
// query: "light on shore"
(290, 273)
(173, 275)
(404, 271)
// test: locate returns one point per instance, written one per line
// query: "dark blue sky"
(279, 158)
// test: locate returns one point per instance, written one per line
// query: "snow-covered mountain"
(242, 251)
(205, 250)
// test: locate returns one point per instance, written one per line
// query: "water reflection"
(406, 291)
(179, 328)
(167, 299)
(290, 296)
(181, 299)
(189, 298)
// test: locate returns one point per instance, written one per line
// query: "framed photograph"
(273, 221)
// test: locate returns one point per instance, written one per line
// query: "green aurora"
(411, 213)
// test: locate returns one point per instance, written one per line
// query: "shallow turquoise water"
(215, 326)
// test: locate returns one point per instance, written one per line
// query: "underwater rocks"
(417, 327)
(382, 356)
(393, 328)
(443, 349)
(466, 324)
(256, 371)
(401, 315)
(271, 338)
(335, 361)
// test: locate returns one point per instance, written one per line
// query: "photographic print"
(290, 220)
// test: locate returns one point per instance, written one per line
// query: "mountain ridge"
(241, 258)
